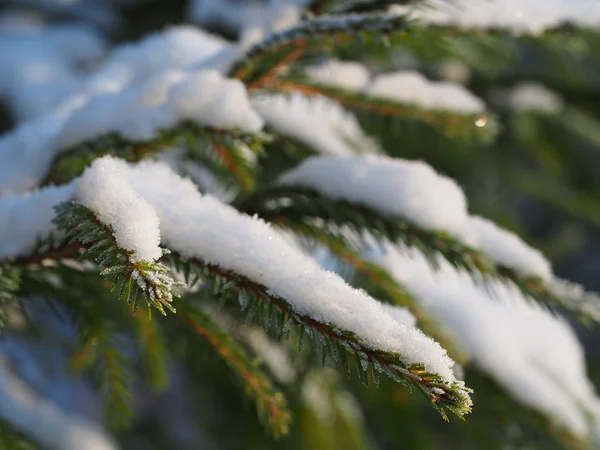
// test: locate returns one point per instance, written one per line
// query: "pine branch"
(454, 125)
(134, 278)
(256, 67)
(378, 283)
(303, 208)
(225, 152)
(256, 300)
(271, 405)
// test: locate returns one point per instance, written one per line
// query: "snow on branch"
(259, 63)
(532, 353)
(403, 96)
(349, 75)
(140, 113)
(43, 421)
(406, 87)
(522, 16)
(414, 88)
(508, 249)
(137, 113)
(177, 48)
(115, 204)
(315, 121)
(227, 240)
(408, 201)
(409, 189)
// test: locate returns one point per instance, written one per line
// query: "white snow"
(176, 48)
(134, 112)
(39, 65)
(406, 189)
(103, 189)
(414, 191)
(413, 88)
(521, 16)
(139, 112)
(533, 354)
(124, 95)
(27, 151)
(316, 121)
(345, 74)
(44, 421)
(208, 98)
(508, 249)
(199, 226)
(401, 314)
(275, 17)
(531, 96)
(242, 16)
(25, 218)
(408, 87)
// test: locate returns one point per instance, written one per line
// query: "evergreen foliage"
(236, 344)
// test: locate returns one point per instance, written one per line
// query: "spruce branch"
(377, 282)
(256, 300)
(225, 152)
(256, 67)
(271, 405)
(455, 125)
(301, 208)
(134, 278)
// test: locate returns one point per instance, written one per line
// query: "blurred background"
(539, 177)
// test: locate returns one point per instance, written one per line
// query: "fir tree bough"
(230, 184)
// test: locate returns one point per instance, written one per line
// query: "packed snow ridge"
(316, 121)
(521, 16)
(414, 88)
(414, 191)
(141, 111)
(406, 87)
(531, 352)
(45, 67)
(131, 79)
(118, 206)
(138, 113)
(397, 187)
